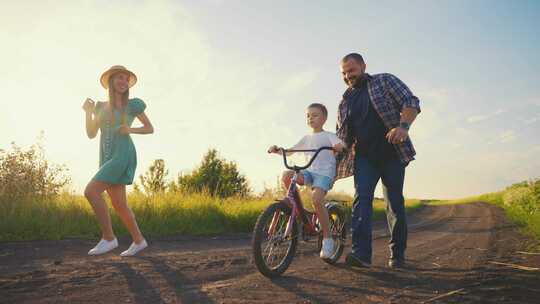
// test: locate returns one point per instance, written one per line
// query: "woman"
(117, 156)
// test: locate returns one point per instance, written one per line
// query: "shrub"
(215, 176)
(26, 174)
(153, 181)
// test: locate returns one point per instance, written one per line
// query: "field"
(173, 213)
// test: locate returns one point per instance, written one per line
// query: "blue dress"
(117, 154)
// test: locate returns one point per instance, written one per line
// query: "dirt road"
(451, 249)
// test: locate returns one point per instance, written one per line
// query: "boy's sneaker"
(327, 249)
(134, 248)
(103, 246)
(355, 261)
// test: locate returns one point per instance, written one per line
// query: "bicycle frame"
(293, 197)
(298, 211)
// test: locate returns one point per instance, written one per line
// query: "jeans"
(366, 177)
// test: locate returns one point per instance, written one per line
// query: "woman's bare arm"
(147, 127)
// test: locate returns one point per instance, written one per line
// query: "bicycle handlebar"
(298, 168)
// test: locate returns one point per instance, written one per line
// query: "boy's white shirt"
(325, 163)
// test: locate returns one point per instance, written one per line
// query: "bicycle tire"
(339, 234)
(259, 235)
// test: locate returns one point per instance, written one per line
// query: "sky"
(237, 76)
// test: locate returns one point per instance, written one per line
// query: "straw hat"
(115, 69)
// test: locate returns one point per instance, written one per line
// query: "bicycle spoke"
(270, 257)
(277, 243)
(273, 250)
(336, 228)
(267, 246)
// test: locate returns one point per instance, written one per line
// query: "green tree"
(154, 180)
(535, 184)
(217, 176)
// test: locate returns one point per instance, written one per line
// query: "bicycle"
(279, 228)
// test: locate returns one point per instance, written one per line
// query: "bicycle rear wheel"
(338, 231)
(273, 251)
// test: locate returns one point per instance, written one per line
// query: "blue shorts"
(317, 180)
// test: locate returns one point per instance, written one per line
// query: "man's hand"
(338, 147)
(124, 129)
(397, 135)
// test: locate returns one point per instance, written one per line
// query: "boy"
(320, 175)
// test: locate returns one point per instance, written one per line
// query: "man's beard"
(358, 80)
(347, 83)
(354, 82)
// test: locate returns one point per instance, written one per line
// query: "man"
(374, 118)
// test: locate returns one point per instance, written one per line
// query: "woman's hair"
(112, 103)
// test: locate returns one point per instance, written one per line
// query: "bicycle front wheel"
(273, 251)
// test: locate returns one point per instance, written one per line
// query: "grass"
(173, 213)
(379, 207)
(70, 216)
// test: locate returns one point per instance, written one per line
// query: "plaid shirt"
(389, 96)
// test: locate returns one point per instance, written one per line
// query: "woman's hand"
(124, 129)
(92, 121)
(89, 106)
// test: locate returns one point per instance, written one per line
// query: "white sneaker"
(327, 249)
(103, 246)
(134, 248)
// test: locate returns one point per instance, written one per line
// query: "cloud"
(476, 118)
(507, 136)
(434, 102)
(482, 117)
(298, 81)
(535, 100)
(532, 119)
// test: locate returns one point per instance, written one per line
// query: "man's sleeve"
(401, 94)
